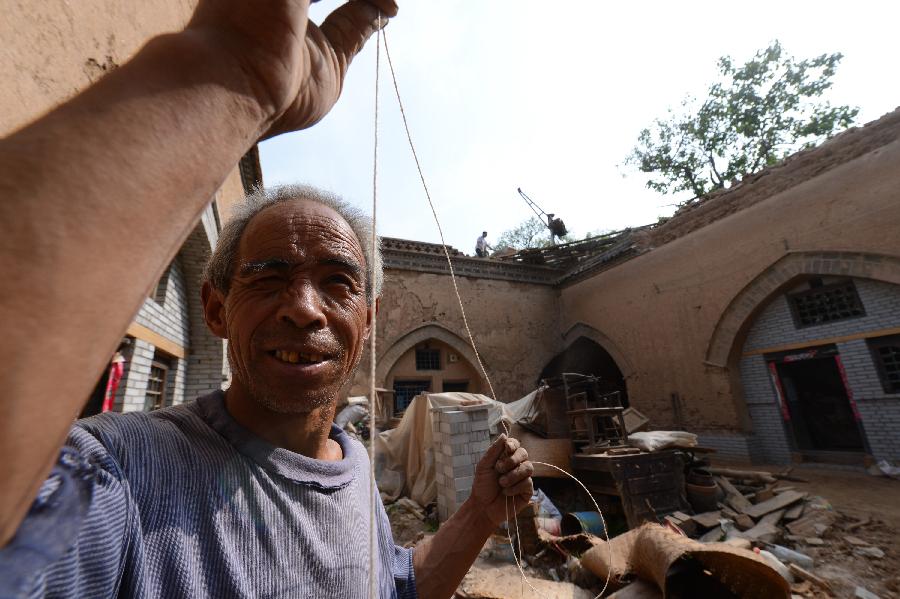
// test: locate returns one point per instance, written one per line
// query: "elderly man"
(245, 493)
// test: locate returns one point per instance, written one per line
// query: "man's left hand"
(502, 484)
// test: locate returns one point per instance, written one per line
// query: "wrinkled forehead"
(298, 229)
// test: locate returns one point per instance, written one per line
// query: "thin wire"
(373, 404)
(437, 221)
(462, 309)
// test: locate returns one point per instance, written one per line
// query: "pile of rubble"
(819, 551)
(794, 531)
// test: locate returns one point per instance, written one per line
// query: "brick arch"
(582, 330)
(419, 335)
(738, 316)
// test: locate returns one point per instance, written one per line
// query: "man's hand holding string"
(502, 485)
(501, 488)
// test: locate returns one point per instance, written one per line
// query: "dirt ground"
(856, 496)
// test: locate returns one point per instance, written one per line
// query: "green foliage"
(532, 233)
(756, 115)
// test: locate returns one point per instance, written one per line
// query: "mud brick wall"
(460, 439)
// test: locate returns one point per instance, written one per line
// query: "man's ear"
(214, 310)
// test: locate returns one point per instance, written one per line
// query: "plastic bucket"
(577, 522)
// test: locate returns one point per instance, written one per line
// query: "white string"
(462, 310)
(437, 221)
(373, 403)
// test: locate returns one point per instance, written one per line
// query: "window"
(456, 386)
(156, 396)
(405, 391)
(826, 303)
(886, 352)
(428, 359)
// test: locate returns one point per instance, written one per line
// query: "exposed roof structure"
(569, 262)
(793, 170)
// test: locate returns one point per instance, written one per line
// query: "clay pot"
(702, 492)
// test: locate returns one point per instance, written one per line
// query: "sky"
(550, 97)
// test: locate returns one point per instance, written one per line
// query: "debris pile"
(705, 527)
(798, 534)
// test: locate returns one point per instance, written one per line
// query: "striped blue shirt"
(184, 502)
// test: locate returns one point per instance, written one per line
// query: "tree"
(532, 233)
(756, 115)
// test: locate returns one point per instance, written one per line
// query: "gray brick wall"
(775, 325)
(175, 381)
(169, 316)
(133, 387)
(176, 314)
(862, 374)
(207, 364)
(881, 423)
(879, 412)
(728, 446)
(768, 443)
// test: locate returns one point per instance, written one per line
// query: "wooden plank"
(807, 575)
(707, 519)
(744, 522)
(772, 518)
(733, 497)
(764, 495)
(762, 477)
(794, 512)
(766, 529)
(780, 501)
(141, 332)
(826, 341)
(813, 523)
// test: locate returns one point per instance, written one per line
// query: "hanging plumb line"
(387, 53)
(373, 398)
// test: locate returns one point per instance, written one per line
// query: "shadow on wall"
(585, 356)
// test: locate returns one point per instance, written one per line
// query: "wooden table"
(650, 485)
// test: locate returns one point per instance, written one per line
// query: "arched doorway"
(431, 358)
(431, 366)
(586, 356)
(814, 351)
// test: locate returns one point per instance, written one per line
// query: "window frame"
(875, 345)
(434, 353)
(162, 394)
(427, 382)
(795, 312)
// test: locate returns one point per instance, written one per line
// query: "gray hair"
(220, 266)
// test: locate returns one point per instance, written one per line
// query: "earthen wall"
(663, 309)
(515, 325)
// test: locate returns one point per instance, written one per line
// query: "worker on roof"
(482, 246)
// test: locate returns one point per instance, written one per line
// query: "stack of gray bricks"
(460, 439)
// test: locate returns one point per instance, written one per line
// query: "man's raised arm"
(125, 169)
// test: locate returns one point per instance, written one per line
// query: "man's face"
(296, 313)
